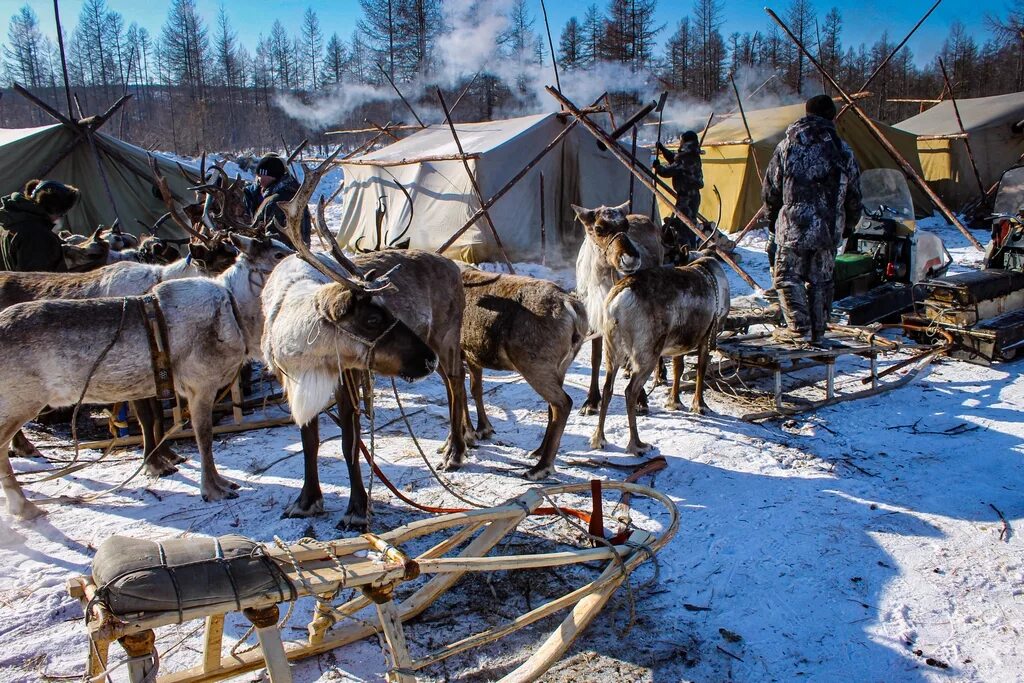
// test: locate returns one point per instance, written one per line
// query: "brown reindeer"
(661, 312)
(532, 327)
(615, 244)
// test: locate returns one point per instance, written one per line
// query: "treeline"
(195, 86)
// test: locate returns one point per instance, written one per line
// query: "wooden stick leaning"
(960, 123)
(884, 141)
(645, 180)
(472, 180)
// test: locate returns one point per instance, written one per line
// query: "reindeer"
(321, 324)
(614, 243)
(55, 352)
(532, 327)
(656, 312)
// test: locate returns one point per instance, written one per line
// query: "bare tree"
(570, 46)
(709, 46)
(312, 47)
(24, 53)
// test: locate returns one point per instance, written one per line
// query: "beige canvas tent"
(417, 193)
(734, 162)
(59, 152)
(995, 130)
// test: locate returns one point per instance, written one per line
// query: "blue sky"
(864, 20)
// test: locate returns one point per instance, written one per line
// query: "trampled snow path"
(858, 543)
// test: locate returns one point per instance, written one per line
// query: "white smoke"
(342, 100)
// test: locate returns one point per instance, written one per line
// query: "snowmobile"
(885, 254)
(984, 309)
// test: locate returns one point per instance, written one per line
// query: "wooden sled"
(377, 566)
(761, 351)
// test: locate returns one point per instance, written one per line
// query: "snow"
(860, 542)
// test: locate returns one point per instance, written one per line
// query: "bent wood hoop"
(323, 569)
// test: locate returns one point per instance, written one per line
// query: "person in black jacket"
(687, 175)
(273, 179)
(27, 240)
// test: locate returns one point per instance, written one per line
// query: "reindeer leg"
(678, 365)
(611, 369)
(484, 428)
(699, 407)
(163, 447)
(157, 462)
(559, 407)
(355, 516)
(214, 486)
(21, 447)
(633, 390)
(593, 402)
(311, 499)
(454, 376)
(661, 378)
(17, 505)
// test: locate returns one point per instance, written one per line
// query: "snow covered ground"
(859, 543)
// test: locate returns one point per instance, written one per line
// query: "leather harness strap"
(159, 348)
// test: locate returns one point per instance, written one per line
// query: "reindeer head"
(264, 254)
(607, 227)
(87, 255)
(366, 323)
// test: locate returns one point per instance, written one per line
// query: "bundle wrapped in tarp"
(135, 575)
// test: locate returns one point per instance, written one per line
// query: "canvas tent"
(379, 214)
(59, 152)
(996, 135)
(734, 163)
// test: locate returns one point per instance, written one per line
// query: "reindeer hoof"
(353, 521)
(485, 433)
(589, 408)
(643, 409)
(598, 443)
(638, 447)
(453, 462)
(219, 491)
(301, 508)
(700, 409)
(672, 405)
(539, 472)
(26, 510)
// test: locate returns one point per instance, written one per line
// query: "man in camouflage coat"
(812, 194)
(684, 168)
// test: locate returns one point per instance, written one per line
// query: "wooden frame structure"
(377, 566)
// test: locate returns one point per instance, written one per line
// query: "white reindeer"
(55, 353)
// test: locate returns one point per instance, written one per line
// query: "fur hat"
(823, 106)
(53, 197)
(271, 165)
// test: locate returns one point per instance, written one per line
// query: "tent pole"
(960, 122)
(455, 105)
(401, 96)
(63, 57)
(551, 45)
(472, 180)
(907, 168)
(888, 57)
(543, 227)
(632, 180)
(746, 127)
(634, 168)
(508, 186)
(707, 125)
(103, 173)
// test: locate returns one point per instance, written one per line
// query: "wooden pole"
(632, 180)
(888, 57)
(551, 45)
(63, 57)
(455, 105)
(646, 180)
(893, 152)
(472, 180)
(543, 227)
(402, 97)
(960, 123)
(746, 127)
(707, 125)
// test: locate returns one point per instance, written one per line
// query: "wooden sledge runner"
(323, 569)
(760, 350)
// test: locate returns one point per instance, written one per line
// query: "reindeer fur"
(530, 326)
(615, 244)
(51, 346)
(661, 312)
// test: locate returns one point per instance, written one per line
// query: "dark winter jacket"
(811, 189)
(27, 240)
(684, 168)
(285, 188)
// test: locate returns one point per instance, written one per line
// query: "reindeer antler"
(165, 192)
(292, 229)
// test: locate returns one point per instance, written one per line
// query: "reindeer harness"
(159, 346)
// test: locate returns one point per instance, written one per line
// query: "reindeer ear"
(244, 244)
(585, 215)
(623, 207)
(333, 302)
